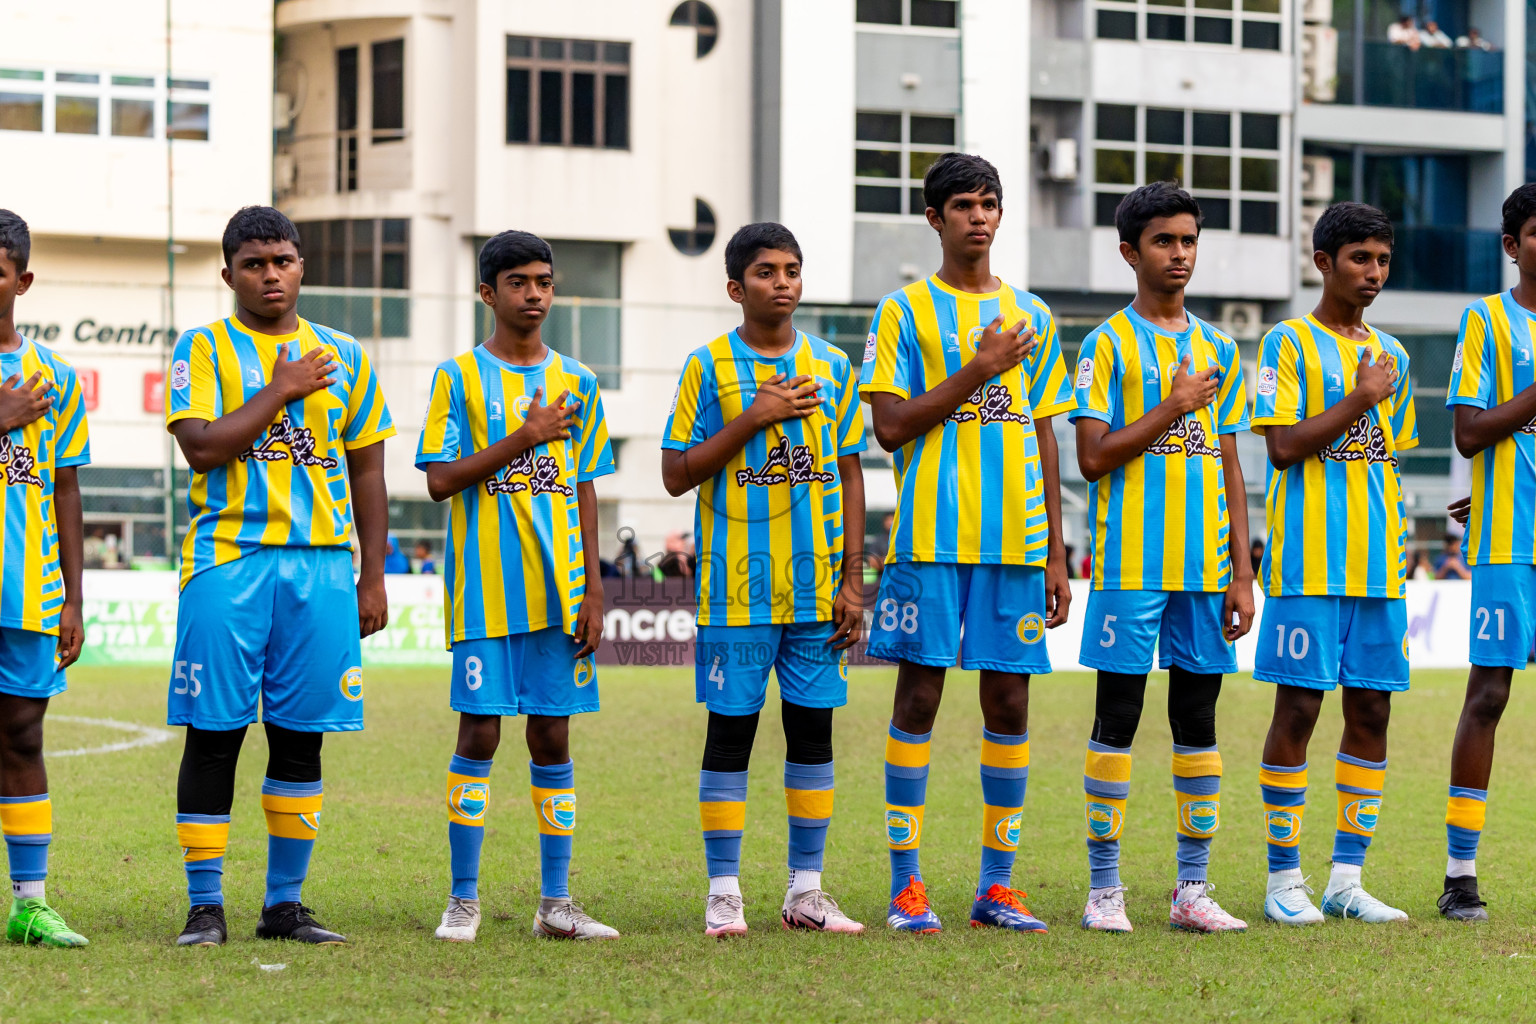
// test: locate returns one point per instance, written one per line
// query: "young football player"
(1335, 405)
(767, 425)
(1494, 405)
(43, 441)
(1159, 400)
(963, 374)
(513, 439)
(283, 425)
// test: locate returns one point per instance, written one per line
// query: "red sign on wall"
(90, 391)
(154, 391)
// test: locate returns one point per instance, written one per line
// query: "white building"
(112, 144)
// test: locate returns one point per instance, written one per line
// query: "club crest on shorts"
(559, 811)
(470, 799)
(1007, 830)
(1282, 826)
(1200, 816)
(1405, 645)
(901, 828)
(584, 671)
(1104, 821)
(1031, 628)
(352, 683)
(1362, 813)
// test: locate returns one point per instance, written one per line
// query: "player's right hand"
(1377, 377)
(1191, 391)
(779, 399)
(21, 405)
(999, 349)
(299, 378)
(1460, 509)
(546, 423)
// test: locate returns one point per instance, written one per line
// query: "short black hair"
(1347, 224)
(748, 241)
(955, 174)
(15, 239)
(512, 249)
(1519, 208)
(1145, 204)
(258, 224)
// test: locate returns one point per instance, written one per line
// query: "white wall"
(995, 89)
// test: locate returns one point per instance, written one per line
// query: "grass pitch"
(380, 876)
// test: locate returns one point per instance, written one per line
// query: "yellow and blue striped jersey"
(290, 488)
(32, 585)
(769, 525)
(1160, 521)
(971, 489)
(1336, 519)
(514, 561)
(1494, 363)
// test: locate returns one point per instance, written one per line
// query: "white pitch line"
(147, 736)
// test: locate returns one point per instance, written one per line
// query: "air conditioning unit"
(282, 111)
(1058, 160)
(285, 172)
(1243, 320)
(1317, 178)
(1310, 212)
(1319, 63)
(1317, 12)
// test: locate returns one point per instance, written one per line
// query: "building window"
(359, 257)
(567, 92)
(388, 59)
(916, 13)
(80, 115)
(346, 119)
(699, 16)
(187, 121)
(1238, 186)
(695, 241)
(133, 118)
(21, 111)
(892, 153)
(1256, 26)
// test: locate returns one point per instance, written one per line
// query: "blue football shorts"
(279, 626)
(731, 665)
(1121, 628)
(1321, 642)
(534, 673)
(991, 616)
(29, 664)
(1503, 623)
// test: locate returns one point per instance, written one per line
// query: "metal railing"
(327, 163)
(1376, 73)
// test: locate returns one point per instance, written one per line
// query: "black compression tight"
(206, 783)
(1191, 707)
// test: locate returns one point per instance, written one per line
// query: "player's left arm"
(370, 513)
(1232, 417)
(594, 458)
(848, 605)
(589, 619)
(66, 502)
(1050, 392)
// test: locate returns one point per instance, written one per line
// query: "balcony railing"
(1423, 79)
(327, 163)
(1436, 259)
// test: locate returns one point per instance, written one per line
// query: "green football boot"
(34, 922)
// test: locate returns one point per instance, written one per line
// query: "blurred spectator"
(424, 561)
(628, 561)
(1423, 567)
(1256, 553)
(1404, 32)
(1474, 40)
(1432, 38)
(394, 559)
(677, 559)
(1088, 566)
(1449, 565)
(1071, 570)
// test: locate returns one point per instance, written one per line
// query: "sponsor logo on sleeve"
(1085, 372)
(181, 374)
(1268, 380)
(869, 347)
(1456, 360)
